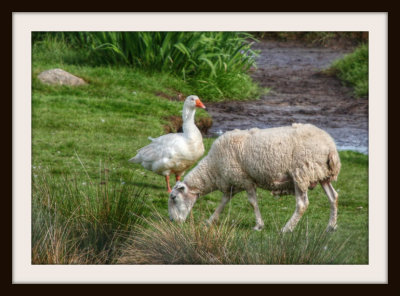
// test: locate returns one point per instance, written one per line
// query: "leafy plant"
(353, 69)
(207, 60)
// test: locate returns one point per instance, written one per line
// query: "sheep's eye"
(181, 188)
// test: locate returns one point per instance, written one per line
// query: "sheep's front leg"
(225, 199)
(252, 196)
(301, 206)
(333, 199)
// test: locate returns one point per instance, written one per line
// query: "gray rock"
(60, 77)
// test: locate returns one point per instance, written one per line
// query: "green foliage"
(215, 63)
(353, 69)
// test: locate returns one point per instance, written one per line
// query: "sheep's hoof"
(286, 230)
(209, 223)
(258, 227)
(331, 228)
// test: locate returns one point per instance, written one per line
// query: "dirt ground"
(300, 92)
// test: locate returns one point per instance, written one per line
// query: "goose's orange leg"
(178, 177)
(168, 187)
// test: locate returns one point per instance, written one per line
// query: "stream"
(299, 93)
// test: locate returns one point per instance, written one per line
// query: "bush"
(353, 69)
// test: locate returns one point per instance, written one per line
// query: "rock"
(60, 77)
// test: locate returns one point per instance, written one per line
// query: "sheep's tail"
(334, 164)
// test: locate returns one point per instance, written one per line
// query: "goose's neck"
(188, 126)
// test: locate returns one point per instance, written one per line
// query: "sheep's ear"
(180, 186)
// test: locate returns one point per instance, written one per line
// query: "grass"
(91, 206)
(353, 70)
(99, 220)
(79, 221)
(194, 242)
(215, 64)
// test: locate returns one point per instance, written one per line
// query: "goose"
(176, 152)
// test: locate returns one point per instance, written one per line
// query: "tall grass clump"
(81, 221)
(353, 69)
(216, 63)
(160, 241)
(164, 242)
(305, 245)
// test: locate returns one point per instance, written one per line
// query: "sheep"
(284, 160)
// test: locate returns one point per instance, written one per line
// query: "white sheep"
(284, 160)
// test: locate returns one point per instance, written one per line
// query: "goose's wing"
(163, 148)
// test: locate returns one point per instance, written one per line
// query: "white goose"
(174, 153)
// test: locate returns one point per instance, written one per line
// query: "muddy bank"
(300, 92)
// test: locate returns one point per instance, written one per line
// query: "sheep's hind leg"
(333, 199)
(225, 199)
(301, 206)
(252, 196)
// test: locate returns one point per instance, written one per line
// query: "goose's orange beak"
(200, 104)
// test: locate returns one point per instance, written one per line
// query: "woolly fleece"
(271, 159)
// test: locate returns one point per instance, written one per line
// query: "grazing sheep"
(284, 160)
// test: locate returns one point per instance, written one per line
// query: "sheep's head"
(181, 201)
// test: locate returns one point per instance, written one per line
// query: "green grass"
(89, 204)
(215, 64)
(79, 220)
(102, 220)
(353, 70)
(160, 241)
